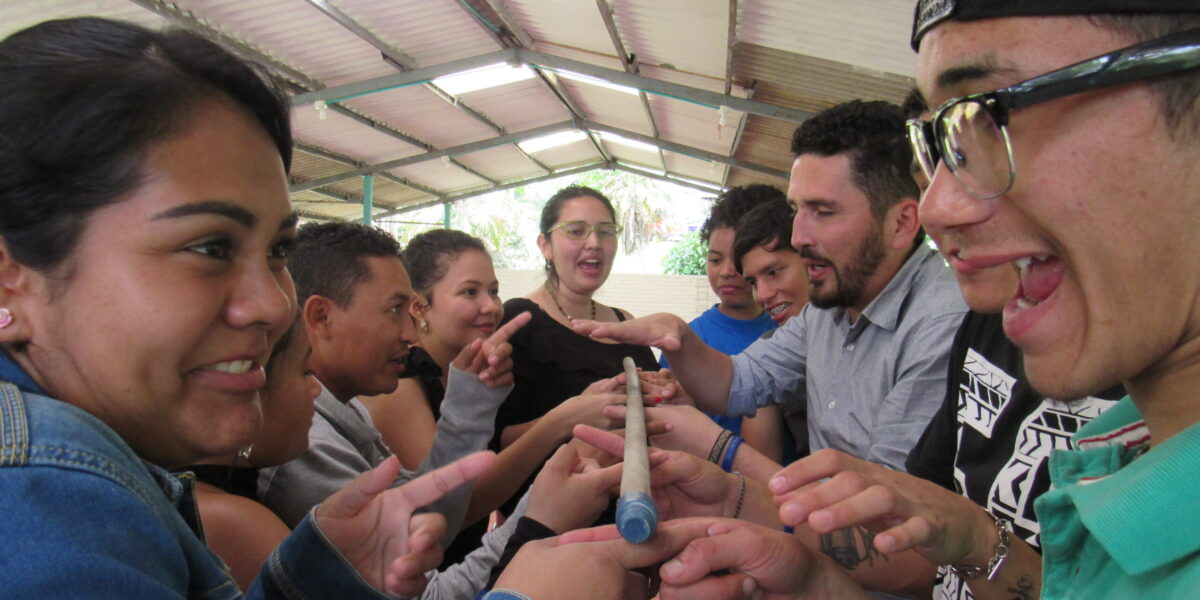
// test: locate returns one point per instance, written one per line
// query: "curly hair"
(734, 203)
(428, 256)
(873, 134)
(327, 259)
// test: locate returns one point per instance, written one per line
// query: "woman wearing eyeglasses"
(553, 366)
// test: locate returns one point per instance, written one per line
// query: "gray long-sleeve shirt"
(343, 444)
(873, 385)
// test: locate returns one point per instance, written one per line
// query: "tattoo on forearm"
(851, 547)
(1023, 589)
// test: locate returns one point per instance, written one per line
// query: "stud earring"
(424, 325)
(6, 318)
(244, 453)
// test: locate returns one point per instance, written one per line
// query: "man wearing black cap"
(1108, 152)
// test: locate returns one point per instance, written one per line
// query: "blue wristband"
(731, 452)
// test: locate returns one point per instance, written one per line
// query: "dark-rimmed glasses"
(580, 230)
(971, 132)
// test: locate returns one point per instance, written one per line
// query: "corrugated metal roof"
(799, 54)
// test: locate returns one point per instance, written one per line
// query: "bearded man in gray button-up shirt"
(871, 348)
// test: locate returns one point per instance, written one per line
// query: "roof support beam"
(664, 88)
(187, 20)
(396, 57)
(363, 169)
(687, 184)
(510, 23)
(346, 160)
(494, 188)
(730, 41)
(630, 66)
(687, 150)
(737, 137)
(548, 61)
(403, 62)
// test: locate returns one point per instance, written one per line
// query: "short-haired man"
(764, 256)
(354, 296)
(870, 348)
(736, 320)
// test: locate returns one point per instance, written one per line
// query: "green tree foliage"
(687, 257)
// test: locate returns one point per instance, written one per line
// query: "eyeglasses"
(580, 230)
(971, 132)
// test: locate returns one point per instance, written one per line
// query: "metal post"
(446, 215)
(368, 197)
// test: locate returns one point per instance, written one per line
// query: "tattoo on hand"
(851, 547)
(1023, 589)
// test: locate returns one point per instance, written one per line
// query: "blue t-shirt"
(730, 336)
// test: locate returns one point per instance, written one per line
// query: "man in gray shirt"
(871, 347)
(354, 296)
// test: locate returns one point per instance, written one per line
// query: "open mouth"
(779, 311)
(235, 367)
(243, 375)
(1039, 277)
(590, 266)
(816, 268)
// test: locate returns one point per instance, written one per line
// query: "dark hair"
(734, 203)
(914, 104)
(1179, 93)
(553, 208)
(327, 258)
(428, 256)
(769, 226)
(873, 134)
(83, 101)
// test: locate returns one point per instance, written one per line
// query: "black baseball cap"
(929, 13)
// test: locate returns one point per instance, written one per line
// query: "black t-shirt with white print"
(990, 439)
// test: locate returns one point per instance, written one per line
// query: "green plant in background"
(687, 257)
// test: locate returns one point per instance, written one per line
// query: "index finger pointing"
(431, 486)
(507, 330)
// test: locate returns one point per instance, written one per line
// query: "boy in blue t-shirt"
(737, 320)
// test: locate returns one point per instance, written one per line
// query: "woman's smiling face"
(162, 318)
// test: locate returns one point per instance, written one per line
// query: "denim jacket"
(82, 516)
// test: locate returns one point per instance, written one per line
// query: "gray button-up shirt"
(872, 385)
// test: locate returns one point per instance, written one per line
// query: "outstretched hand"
(688, 486)
(687, 428)
(491, 358)
(904, 511)
(375, 529)
(706, 558)
(661, 330)
(571, 491)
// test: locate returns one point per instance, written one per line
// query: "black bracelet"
(718, 449)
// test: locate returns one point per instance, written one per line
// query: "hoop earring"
(6, 318)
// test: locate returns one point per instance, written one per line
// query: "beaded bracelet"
(741, 493)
